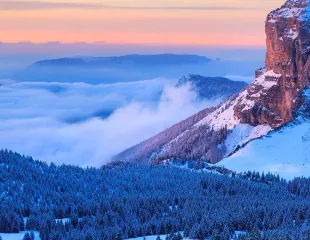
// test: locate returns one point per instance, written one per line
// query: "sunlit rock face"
(275, 95)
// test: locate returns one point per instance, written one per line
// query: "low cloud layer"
(69, 103)
(35, 118)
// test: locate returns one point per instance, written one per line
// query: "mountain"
(98, 70)
(277, 94)
(151, 148)
(285, 151)
(212, 87)
(206, 88)
(95, 62)
(266, 105)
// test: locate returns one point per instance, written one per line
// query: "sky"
(166, 22)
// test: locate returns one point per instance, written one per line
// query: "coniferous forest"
(126, 201)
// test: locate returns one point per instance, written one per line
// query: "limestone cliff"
(275, 95)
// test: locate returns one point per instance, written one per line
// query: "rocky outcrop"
(276, 94)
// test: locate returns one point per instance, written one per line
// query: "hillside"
(212, 87)
(286, 151)
(150, 149)
(267, 104)
(67, 202)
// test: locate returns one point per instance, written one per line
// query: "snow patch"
(244, 133)
(285, 152)
(292, 9)
(153, 237)
(222, 117)
(18, 236)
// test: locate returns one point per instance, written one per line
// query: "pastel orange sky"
(187, 22)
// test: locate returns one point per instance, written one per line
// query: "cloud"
(32, 118)
(68, 102)
(38, 5)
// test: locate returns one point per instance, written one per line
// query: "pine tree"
(27, 236)
(74, 221)
(226, 233)
(216, 235)
(32, 237)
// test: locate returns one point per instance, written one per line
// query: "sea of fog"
(78, 123)
(85, 123)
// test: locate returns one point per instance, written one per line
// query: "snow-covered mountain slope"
(285, 152)
(267, 104)
(153, 148)
(164, 144)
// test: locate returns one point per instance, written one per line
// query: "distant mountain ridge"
(212, 87)
(159, 59)
(127, 68)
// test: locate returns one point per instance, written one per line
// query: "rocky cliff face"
(267, 104)
(275, 95)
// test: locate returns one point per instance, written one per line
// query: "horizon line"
(124, 43)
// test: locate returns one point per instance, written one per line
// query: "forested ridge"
(128, 201)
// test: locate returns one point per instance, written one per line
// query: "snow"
(18, 236)
(239, 233)
(272, 74)
(63, 220)
(291, 12)
(25, 220)
(285, 152)
(291, 34)
(292, 9)
(264, 82)
(176, 139)
(272, 21)
(163, 237)
(152, 237)
(287, 12)
(242, 134)
(224, 115)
